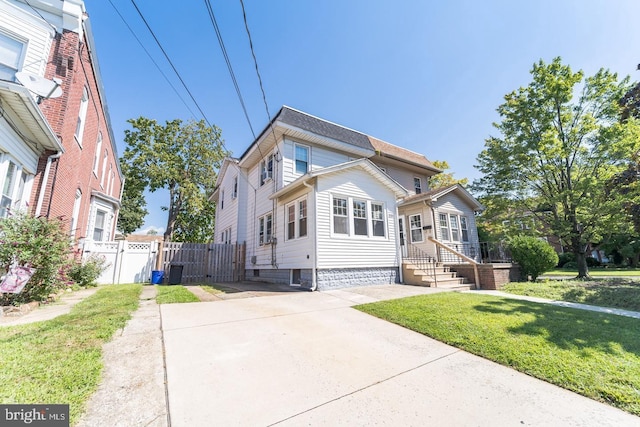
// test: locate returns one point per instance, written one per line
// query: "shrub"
(38, 243)
(571, 265)
(85, 272)
(592, 262)
(565, 258)
(534, 256)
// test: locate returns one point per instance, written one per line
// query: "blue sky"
(424, 75)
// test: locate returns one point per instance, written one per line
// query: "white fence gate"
(127, 262)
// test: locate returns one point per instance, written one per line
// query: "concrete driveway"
(307, 358)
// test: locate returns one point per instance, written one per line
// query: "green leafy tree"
(182, 158)
(444, 179)
(133, 204)
(533, 255)
(561, 141)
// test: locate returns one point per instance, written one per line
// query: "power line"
(171, 63)
(212, 17)
(151, 57)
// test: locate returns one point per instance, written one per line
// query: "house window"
(99, 226)
(453, 223)
(417, 185)
(96, 158)
(104, 168)
(10, 57)
(76, 212)
(296, 222)
(340, 218)
(464, 229)
(360, 218)
(234, 188)
(266, 169)
(222, 200)
(302, 218)
(291, 222)
(444, 227)
(82, 115)
(302, 159)
(225, 238)
(377, 219)
(415, 224)
(265, 228)
(8, 189)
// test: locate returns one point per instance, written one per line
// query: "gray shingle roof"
(324, 128)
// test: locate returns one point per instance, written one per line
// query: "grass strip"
(60, 360)
(175, 294)
(594, 272)
(594, 354)
(615, 292)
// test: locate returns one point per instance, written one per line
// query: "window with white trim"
(357, 217)
(340, 216)
(296, 219)
(301, 158)
(266, 169)
(234, 188)
(377, 219)
(415, 227)
(453, 225)
(225, 237)
(76, 212)
(417, 185)
(82, 115)
(464, 229)
(360, 218)
(265, 227)
(96, 158)
(99, 226)
(444, 226)
(8, 188)
(11, 54)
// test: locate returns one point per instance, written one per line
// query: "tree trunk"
(581, 258)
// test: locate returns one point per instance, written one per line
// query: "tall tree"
(133, 208)
(444, 179)
(561, 141)
(182, 158)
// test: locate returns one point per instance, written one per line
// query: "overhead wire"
(151, 57)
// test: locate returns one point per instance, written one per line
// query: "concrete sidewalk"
(310, 359)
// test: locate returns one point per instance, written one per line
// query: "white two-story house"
(323, 206)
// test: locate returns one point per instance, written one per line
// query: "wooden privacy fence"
(203, 262)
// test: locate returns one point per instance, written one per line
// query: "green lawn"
(174, 294)
(610, 292)
(598, 272)
(60, 360)
(594, 354)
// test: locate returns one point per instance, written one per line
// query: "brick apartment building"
(58, 156)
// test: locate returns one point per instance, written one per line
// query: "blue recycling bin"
(157, 276)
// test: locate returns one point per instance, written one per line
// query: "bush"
(592, 262)
(571, 265)
(37, 243)
(565, 258)
(534, 256)
(86, 272)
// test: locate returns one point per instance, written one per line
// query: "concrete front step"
(413, 275)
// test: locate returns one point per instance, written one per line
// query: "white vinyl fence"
(127, 262)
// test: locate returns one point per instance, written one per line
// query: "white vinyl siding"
(337, 250)
(234, 215)
(30, 29)
(451, 204)
(319, 157)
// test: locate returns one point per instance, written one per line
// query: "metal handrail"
(462, 256)
(423, 261)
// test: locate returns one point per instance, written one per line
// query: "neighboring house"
(321, 205)
(59, 157)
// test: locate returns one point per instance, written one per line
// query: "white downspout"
(314, 281)
(45, 179)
